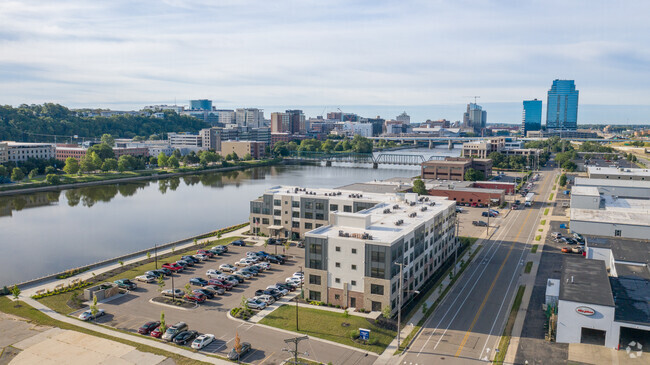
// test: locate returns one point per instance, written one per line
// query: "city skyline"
(123, 56)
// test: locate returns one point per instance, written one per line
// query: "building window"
(314, 295)
(308, 205)
(338, 249)
(334, 207)
(276, 202)
(354, 250)
(354, 267)
(295, 224)
(320, 206)
(295, 214)
(309, 215)
(337, 296)
(318, 225)
(337, 280)
(347, 208)
(308, 225)
(314, 279)
(320, 216)
(265, 221)
(277, 212)
(338, 264)
(376, 289)
(277, 222)
(377, 272)
(295, 204)
(617, 233)
(353, 283)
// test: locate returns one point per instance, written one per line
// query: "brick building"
(454, 168)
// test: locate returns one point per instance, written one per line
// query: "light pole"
(155, 254)
(399, 301)
(297, 299)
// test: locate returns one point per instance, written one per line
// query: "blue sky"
(124, 54)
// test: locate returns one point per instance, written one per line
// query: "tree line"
(357, 144)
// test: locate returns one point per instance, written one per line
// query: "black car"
(208, 293)
(284, 257)
(271, 241)
(184, 264)
(185, 337)
(165, 271)
(285, 286)
(275, 293)
(275, 260)
(198, 281)
(190, 259)
(233, 355)
(238, 243)
(254, 269)
(235, 277)
(259, 292)
(217, 252)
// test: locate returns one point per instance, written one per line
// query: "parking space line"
(268, 357)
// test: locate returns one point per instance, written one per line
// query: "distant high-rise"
(249, 117)
(404, 118)
(532, 116)
(475, 117)
(562, 105)
(201, 104)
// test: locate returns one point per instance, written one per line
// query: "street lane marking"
(487, 295)
(263, 361)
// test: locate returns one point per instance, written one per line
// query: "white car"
(227, 268)
(178, 293)
(242, 274)
(253, 259)
(146, 278)
(212, 273)
(202, 341)
(251, 254)
(264, 265)
(244, 263)
(268, 299)
(87, 315)
(256, 304)
(200, 257)
(293, 280)
(226, 279)
(281, 290)
(299, 273)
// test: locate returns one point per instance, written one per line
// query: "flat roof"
(623, 249)
(624, 171)
(376, 188)
(469, 190)
(632, 271)
(585, 190)
(582, 181)
(326, 193)
(585, 281)
(626, 217)
(632, 298)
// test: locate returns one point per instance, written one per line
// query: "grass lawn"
(543, 222)
(550, 197)
(529, 266)
(534, 248)
(60, 302)
(327, 325)
(538, 237)
(546, 211)
(540, 230)
(505, 338)
(25, 311)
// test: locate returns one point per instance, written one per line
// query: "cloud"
(314, 52)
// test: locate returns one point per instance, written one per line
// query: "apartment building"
(185, 139)
(242, 148)
(351, 262)
(21, 151)
(4, 152)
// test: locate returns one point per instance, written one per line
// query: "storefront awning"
(276, 227)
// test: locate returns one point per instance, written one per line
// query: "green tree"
(163, 327)
(161, 283)
(569, 166)
(474, 175)
(48, 170)
(71, 166)
(97, 161)
(562, 181)
(188, 289)
(17, 174)
(110, 164)
(248, 157)
(93, 307)
(87, 164)
(162, 159)
(52, 179)
(176, 153)
(173, 162)
(125, 163)
(32, 174)
(15, 292)
(3, 171)
(244, 303)
(153, 160)
(108, 140)
(386, 312)
(102, 150)
(419, 188)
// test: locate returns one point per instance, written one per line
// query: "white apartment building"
(185, 140)
(249, 117)
(21, 151)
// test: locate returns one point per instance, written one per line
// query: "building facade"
(201, 104)
(242, 148)
(454, 168)
(532, 116)
(4, 152)
(562, 105)
(249, 117)
(475, 118)
(21, 151)
(184, 139)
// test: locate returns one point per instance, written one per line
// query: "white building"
(21, 151)
(185, 140)
(615, 173)
(249, 117)
(638, 189)
(404, 118)
(4, 152)
(354, 128)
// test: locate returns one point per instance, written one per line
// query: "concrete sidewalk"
(29, 291)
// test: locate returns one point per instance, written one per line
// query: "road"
(465, 328)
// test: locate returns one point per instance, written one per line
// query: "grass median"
(61, 302)
(507, 331)
(330, 326)
(550, 197)
(546, 211)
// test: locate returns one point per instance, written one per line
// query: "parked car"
(256, 304)
(577, 249)
(221, 284)
(296, 281)
(208, 293)
(178, 293)
(233, 355)
(87, 315)
(282, 291)
(146, 328)
(566, 249)
(285, 286)
(205, 252)
(490, 214)
(220, 248)
(299, 274)
(125, 284)
(195, 297)
(244, 263)
(191, 260)
(214, 289)
(201, 257)
(235, 278)
(268, 299)
(263, 265)
(211, 273)
(202, 341)
(494, 211)
(275, 260)
(146, 278)
(578, 237)
(166, 271)
(271, 241)
(227, 268)
(243, 274)
(480, 223)
(174, 330)
(556, 235)
(272, 292)
(185, 337)
(155, 273)
(301, 244)
(238, 243)
(183, 263)
(248, 271)
(173, 267)
(216, 252)
(157, 332)
(198, 281)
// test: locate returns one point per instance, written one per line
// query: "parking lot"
(470, 214)
(131, 310)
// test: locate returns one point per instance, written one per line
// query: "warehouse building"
(614, 173)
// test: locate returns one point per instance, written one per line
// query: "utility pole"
(457, 240)
(155, 254)
(297, 299)
(399, 301)
(295, 352)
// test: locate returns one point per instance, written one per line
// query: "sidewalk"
(137, 339)
(29, 291)
(388, 357)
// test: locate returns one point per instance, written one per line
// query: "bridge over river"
(412, 159)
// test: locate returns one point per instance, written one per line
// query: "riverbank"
(138, 176)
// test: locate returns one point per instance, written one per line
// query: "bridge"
(370, 158)
(431, 140)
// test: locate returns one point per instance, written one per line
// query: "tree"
(188, 289)
(108, 140)
(162, 159)
(386, 312)
(87, 164)
(207, 157)
(71, 166)
(562, 181)
(17, 174)
(419, 188)
(176, 153)
(93, 307)
(48, 170)
(110, 164)
(52, 179)
(162, 322)
(569, 166)
(15, 292)
(248, 157)
(474, 175)
(161, 283)
(173, 162)
(237, 345)
(97, 161)
(32, 174)
(102, 150)
(126, 163)
(153, 160)
(244, 303)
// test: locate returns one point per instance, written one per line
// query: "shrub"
(354, 334)
(69, 288)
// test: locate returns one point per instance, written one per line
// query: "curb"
(196, 305)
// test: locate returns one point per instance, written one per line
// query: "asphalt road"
(465, 328)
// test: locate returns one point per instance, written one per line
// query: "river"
(49, 232)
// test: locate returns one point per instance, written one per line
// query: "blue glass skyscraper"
(562, 105)
(532, 116)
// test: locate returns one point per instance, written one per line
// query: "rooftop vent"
(395, 207)
(412, 215)
(387, 211)
(423, 209)
(399, 222)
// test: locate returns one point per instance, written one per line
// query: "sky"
(428, 56)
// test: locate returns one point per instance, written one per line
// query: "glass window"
(320, 216)
(337, 280)
(347, 208)
(354, 267)
(338, 248)
(308, 205)
(314, 295)
(334, 207)
(277, 212)
(338, 264)
(319, 206)
(295, 224)
(354, 250)
(314, 279)
(308, 226)
(265, 221)
(277, 222)
(295, 204)
(353, 283)
(276, 202)
(309, 215)
(295, 214)
(376, 289)
(337, 296)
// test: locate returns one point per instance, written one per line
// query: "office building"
(483, 148)
(280, 123)
(351, 261)
(404, 118)
(454, 168)
(377, 125)
(211, 138)
(475, 118)
(21, 151)
(184, 140)
(249, 117)
(562, 105)
(201, 104)
(532, 116)
(565, 134)
(242, 148)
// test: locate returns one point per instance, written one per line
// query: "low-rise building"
(4, 152)
(638, 189)
(63, 152)
(615, 173)
(185, 139)
(21, 151)
(469, 196)
(242, 148)
(454, 168)
(351, 262)
(566, 134)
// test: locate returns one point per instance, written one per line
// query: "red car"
(173, 267)
(566, 250)
(156, 333)
(220, 284)
(207, 253)
(148, 327)
(195, 297)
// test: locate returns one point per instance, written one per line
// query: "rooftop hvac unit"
(423, 209)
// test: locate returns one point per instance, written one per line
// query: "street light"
(399, 301)
(298, 298)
